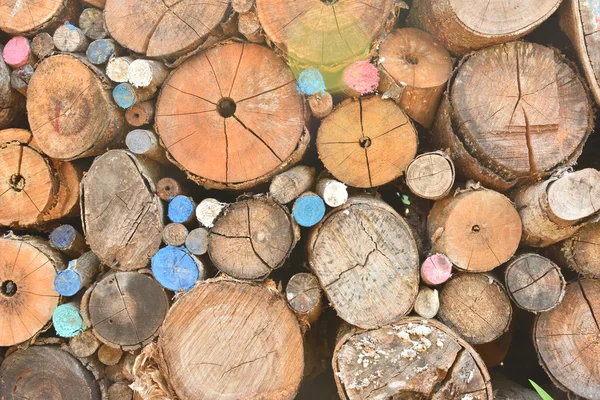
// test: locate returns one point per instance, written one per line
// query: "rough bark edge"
(69, 10)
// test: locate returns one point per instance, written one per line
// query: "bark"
(367, 261)
(581, 252)
(19, 78)
(12, 104)
(289, 185)
(367, 143)
(17, 19)
(251, 348)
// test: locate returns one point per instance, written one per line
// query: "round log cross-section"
(225, 129)
(232, 340)
(70, 109)
(126, 309)
(582, 250)
(367, 143)
(514, 112)
(25, 17)
(415, 359)
(162, 28)
(366, 259)
(567, 340)
(46, 372)
(252, 238)
(28, 267)
(324, 33)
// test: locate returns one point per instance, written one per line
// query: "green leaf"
(405, 200)
(541, 392)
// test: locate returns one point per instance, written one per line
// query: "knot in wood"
(226, 107)
(17, 182)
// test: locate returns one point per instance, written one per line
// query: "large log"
(125, 309)
(20, 17)
(255, 127)
(163, 29)
(28, 266)
(366, 259)
(566, 339)
(46, 372)
(70, 109)
(232, 340)
(415, 359)
(12, 103)
(463, 26)
(121, 213)
(367, 143)
(513, 112)
(477, 229)
(252, 238)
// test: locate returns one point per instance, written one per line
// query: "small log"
(28, 266)
(322, 45)
(476, 307)
(176, 269)
(71, 39)
(174, 234)
(19, 78)
(555, 209)
(42, 45)
(140, 114)
(367, 261)
(67, 120)
(12, 104)
(158, 24)
(144, 142)
(169, 188)
(125, 95)
(477, 229)
(431, 175)
(333, 193)
(566, 340)
(497, 135)
(252, 238)
(66, 239)
(117, 67)
(303, 294)
(254, 334)
(24, 18)
(311, 82)
(436, 269)
(249, 27)
(181, 209)
(18, 52)
(84, 345)
(308, 209)
(101, 50)
(289, 185)
(197, 241)
(363, 149)
(581, 252)
(242, 6)
(109, 355)
(121, 213)
(67, 320)
(320, 105)
(415, 68)
(208, 211)
(44, 372)
(508, 390)
(534, 283)
(271, 140)
(414, 359)
(427, 303)
(91, 23)
(79, 274)
(147, 73)
(119, 391)
(463, 26)
(126, 309)
(360, 78)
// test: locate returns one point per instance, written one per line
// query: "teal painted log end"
(67, 321)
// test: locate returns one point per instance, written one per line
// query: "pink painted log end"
(362, 77)
(436, 269)
(17, 51)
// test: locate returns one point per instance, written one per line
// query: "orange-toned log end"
(28, 185)
(27, 295)
(367, 143)
(231, 117)
(478, 230)
(414, 60)
(232, 340)
(70, 109)
(20, 17)
(162, 28)
(566, 339)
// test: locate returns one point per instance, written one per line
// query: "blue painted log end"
(310, 81)
(308, 210)
(62, 237)
(67, 282)
(181, 209)
(124, 95)
(174, 268)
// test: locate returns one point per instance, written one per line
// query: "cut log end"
(181, 209)
(169, 188)
(430, 175)
(177, 270)
(308, 210)
(197, 241)
(573, 196)
(333, 193)
(303, 294)
(436, 269)
(67, 320)
(290, 184)
(174, 234)
(427, 303)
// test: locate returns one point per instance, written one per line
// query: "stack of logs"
(258, 199)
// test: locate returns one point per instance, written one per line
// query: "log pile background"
(317, 199)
